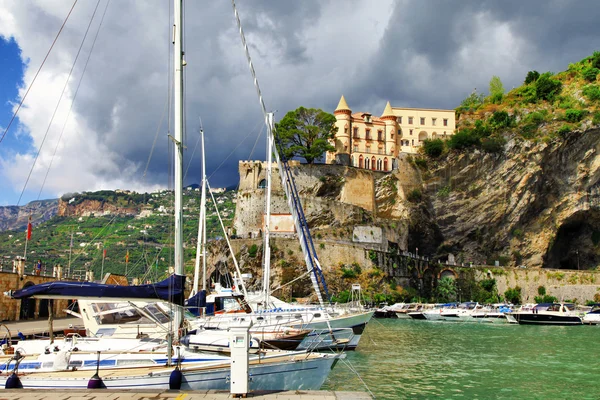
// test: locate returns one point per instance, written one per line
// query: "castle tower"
(391, 133)
(342, 137)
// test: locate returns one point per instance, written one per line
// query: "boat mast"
(267, 232)
(201, 246)
(178, 141)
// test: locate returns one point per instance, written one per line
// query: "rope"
(351, 368)
(75, 94)
(37, 73)
(58, 103)
(250, 65)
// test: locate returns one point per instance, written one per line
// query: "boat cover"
(170, 289)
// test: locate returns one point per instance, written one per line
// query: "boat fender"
(175, 379)
(96, 382)
(13, 382)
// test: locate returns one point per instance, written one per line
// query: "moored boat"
(549, 314)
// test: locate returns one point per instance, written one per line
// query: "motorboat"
(549, 314)
(592, 317)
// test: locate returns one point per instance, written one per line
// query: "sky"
(96, 117)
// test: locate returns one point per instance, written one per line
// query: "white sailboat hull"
(303, 373)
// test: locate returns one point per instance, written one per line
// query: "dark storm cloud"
(547, 35)
(412, 53)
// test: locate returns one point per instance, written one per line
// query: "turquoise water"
(406, 359)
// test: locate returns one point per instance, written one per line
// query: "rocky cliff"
(16, 217)
(535, 204)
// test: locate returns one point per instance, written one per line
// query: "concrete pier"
(28, 394)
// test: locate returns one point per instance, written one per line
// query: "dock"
(105, 394)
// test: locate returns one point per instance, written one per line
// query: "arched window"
(352, 161)
(367, 163)
(373, 163)
(262, 184)
(385, 164)
(360, 161)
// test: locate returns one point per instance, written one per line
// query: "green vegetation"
(543, 297)
(252, 250)
(434, 147)
(305, 132)
(531, 77)
(414, 196)
(513, 295)
(148, 240)
(496, 90)
(445, 290)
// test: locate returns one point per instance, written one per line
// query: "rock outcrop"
(16, 217)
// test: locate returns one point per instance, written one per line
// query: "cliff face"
(90, 207)
(536, 204)
(15, 217)
(335, 199)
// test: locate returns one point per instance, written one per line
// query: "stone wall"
(10, 309)
(563, 284)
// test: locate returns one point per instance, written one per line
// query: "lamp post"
(577, 253)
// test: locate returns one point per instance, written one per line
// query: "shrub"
(566, 102)
(532, 76)
(590, 74)
(595, 59)
(592, 92)
(572, 115)
(420, 162)
(563, 130)
(526, 93)
(546, 87)
(252, 250)
(433, 148)
(493, 144)
(513, 295)
(500, 119)
(535, 118)
(444, 192)
(462, 139)
(596, 119)
(472, 102)
(414, 196)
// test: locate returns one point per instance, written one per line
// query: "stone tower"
(390, 130)
(342, 137)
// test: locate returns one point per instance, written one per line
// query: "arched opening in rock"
(577, 243)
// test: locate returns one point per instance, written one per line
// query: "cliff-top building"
(365, 141)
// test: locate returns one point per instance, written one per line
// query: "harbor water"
(407, 359)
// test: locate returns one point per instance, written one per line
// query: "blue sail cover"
(197, 301)
(171, 289)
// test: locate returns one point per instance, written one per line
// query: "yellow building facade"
(367, 141)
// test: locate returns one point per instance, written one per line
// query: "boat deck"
(100, 394)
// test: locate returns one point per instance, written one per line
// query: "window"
(356, 133)
(445, 121)
(262, 184)
(413, 142)
(355, 148)
(422, 121)
(380, 135)
(410, 120)
(411, 131)
(399, 119)
(368, 134)
(392, 136)
(433, 121)
(346, 130)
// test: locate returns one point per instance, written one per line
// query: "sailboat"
(271, 370)
(333, 327)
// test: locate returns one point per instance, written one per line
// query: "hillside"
(518, 183)
(119, 222)
(15, 217)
